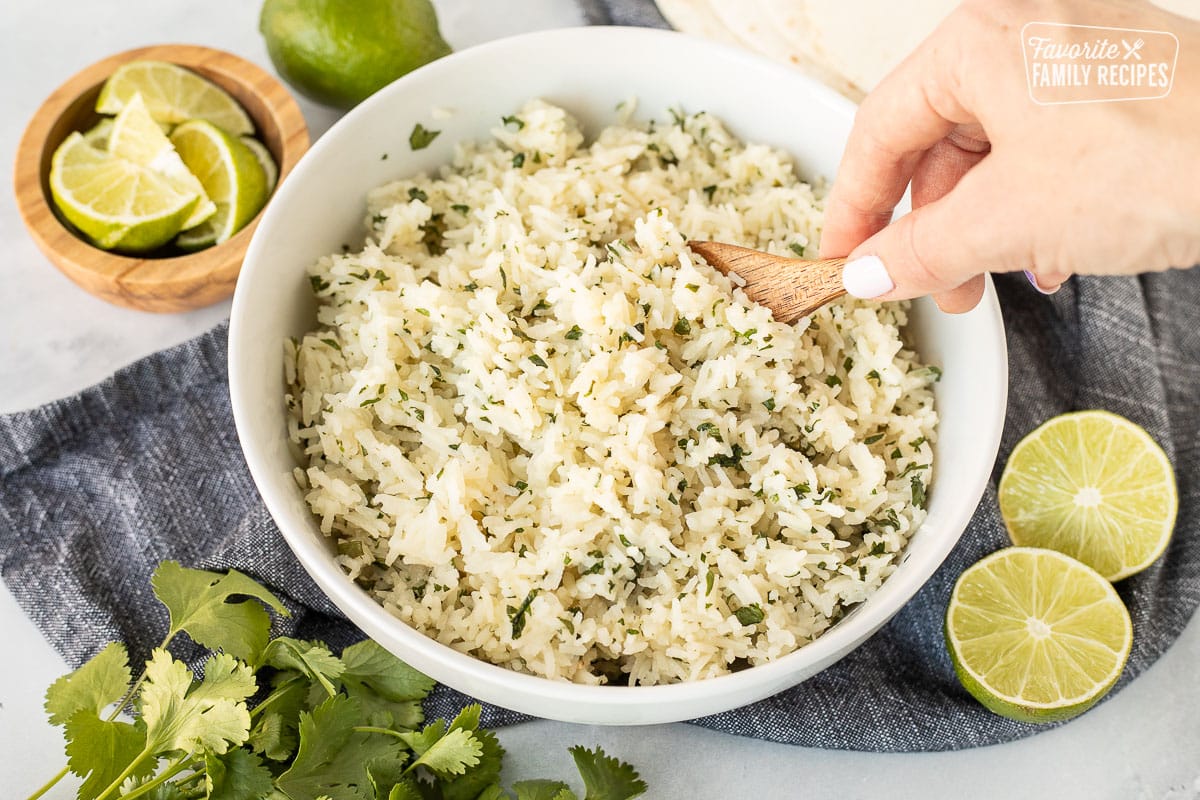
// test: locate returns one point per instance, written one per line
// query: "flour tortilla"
(848, 46)
(864, 47)
(754, 25)
(850, 51)
(698, 18)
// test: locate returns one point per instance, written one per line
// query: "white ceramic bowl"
(589, 71)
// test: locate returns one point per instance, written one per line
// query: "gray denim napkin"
(98, 488)
(643, 13)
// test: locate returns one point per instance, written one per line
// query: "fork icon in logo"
(1132, 50)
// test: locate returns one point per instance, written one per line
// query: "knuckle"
(970, 138)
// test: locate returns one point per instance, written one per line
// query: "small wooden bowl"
(175, 283)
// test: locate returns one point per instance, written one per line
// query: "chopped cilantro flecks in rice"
(421, 137)
(563, 444)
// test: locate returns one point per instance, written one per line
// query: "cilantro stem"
(314, 674)
(278, 692)
(370, 729)
(125, 773)
(199, 773)
(50, 784)
(129, 695)
(116, 712)
(172, 770)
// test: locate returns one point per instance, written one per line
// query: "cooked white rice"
(544, 433)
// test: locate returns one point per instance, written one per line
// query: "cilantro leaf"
(236, 775)
(334, 759)
(99, 683)
(389, 690)
(274, 733)
(225, 678)
(543, 790)
(99, 751)
(605, 777)
(406, 789)
(517, 615)
(421, 137)
(451, 754)
(165, 791)
(750, 615)
(330, 728)
(918, 491)
(200, 604)
(484, 774)
(209, 716)
(420, 741)
(368, 665)
(310, 659)
(406, 715)
(385, 774)
(468, 718)
(271, 738)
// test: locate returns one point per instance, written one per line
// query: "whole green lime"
(339, 52)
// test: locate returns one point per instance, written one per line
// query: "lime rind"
(231, 175)
(1084, 634)
(137, 137)
(265, 160)
(116, 203)
(340, 55)
(173, 95)
(1095, 486)
(197, 238)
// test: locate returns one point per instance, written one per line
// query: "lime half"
(231, 175)
(137, 137)
(118, 204)
(1035, 635)
(1092, 485)
(173, 95)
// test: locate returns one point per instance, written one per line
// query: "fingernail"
(866, 277)
(1033, 281)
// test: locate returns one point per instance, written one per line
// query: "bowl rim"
(172, 283)
(469, 671)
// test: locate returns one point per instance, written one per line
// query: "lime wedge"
(265, 160)
(230, 174)
(98, 135)
(118, 204)
(1092, 485)
(1035, 635)
(137, 137)
(173, 95)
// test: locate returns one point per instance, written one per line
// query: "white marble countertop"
(55, 340)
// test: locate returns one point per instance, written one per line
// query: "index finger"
(912, 109)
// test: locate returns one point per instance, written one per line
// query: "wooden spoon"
(790, 287)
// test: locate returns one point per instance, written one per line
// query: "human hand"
(1000, 183)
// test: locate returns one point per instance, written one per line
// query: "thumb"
(944, 244)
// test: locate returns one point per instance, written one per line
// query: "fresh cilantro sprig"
(325, 727)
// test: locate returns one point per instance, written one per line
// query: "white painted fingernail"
(866, 277)
(1034, 281)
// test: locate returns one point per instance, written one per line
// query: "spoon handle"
(790, 287)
